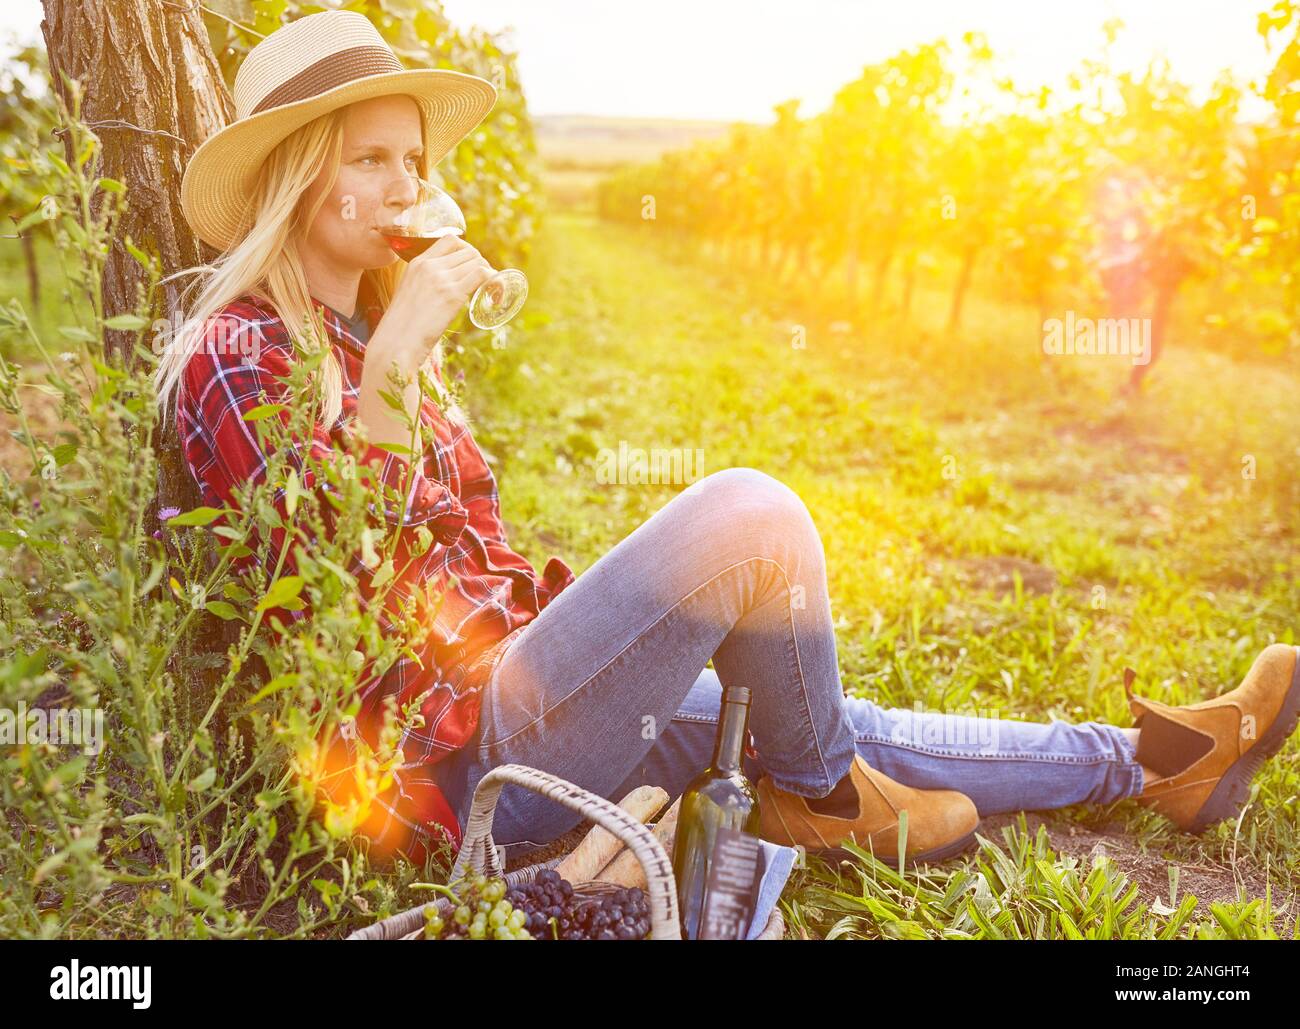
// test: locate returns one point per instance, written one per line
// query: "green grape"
(495, 890)
(462, 915)
(498, 918)
(517, 919)
(503, 932)
(477, 932)
(485, 906)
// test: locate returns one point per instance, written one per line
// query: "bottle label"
(732, 886)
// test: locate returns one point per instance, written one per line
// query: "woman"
(599, 679)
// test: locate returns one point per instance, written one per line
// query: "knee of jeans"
(753, 497)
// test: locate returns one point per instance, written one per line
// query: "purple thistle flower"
(157, 534)
(36, 502)
(168, 512)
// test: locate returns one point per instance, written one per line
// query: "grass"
(14, 283)
(1000, 533)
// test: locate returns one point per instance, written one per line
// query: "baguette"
(599, 846)
(626, 869)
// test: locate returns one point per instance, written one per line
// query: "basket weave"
(478, 854)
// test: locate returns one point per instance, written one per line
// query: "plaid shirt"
(453, 493)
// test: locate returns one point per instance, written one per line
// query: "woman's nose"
(402, 192)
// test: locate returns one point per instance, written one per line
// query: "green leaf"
(71, 771)
(50, 864)
(344, 576)
(112, 185)
(292, 491)
(203, 780)
(397, 403)
(400, 449)
(281, 591)
(274, 686)
(261, 411)
(141, 258)
(382, 574)
(198, 516)
(125, 321)
(223, 610)
(31, 219)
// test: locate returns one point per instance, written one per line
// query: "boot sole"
(1229, 796)
(935, 854)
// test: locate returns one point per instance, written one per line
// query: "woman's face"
(381, 148)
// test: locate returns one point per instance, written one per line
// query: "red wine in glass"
(435, 214)
(409, 245)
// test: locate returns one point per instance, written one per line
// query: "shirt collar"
(338, 326)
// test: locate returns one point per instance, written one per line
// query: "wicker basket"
(478, 854)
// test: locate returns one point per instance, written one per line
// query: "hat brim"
(217, 187)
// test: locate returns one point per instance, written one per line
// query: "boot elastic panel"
(1165, 744)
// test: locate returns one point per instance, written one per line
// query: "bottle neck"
(732, 727)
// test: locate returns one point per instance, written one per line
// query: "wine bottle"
(715, 850)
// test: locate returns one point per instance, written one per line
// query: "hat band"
(334, 70)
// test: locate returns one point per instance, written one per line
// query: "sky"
(735, 59)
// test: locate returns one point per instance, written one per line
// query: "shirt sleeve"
(221, 387)
(478, 487)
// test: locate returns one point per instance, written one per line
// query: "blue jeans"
(605, 688)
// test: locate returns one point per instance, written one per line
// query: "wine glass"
(435, 214)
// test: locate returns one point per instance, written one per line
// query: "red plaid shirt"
(453, 494)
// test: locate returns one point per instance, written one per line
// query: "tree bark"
(152, 92)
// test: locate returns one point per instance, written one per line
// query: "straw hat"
(297, 73)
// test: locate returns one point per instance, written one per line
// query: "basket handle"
(478, 852)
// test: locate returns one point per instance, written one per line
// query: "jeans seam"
(631, 643)
(867, 737)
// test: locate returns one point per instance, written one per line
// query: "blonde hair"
(265, 261)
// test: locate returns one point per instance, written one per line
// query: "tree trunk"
(959, 291)
(909, 283)
(851, 290)
(881, 274)
(153, 91)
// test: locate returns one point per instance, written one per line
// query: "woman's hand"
(433, 288)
